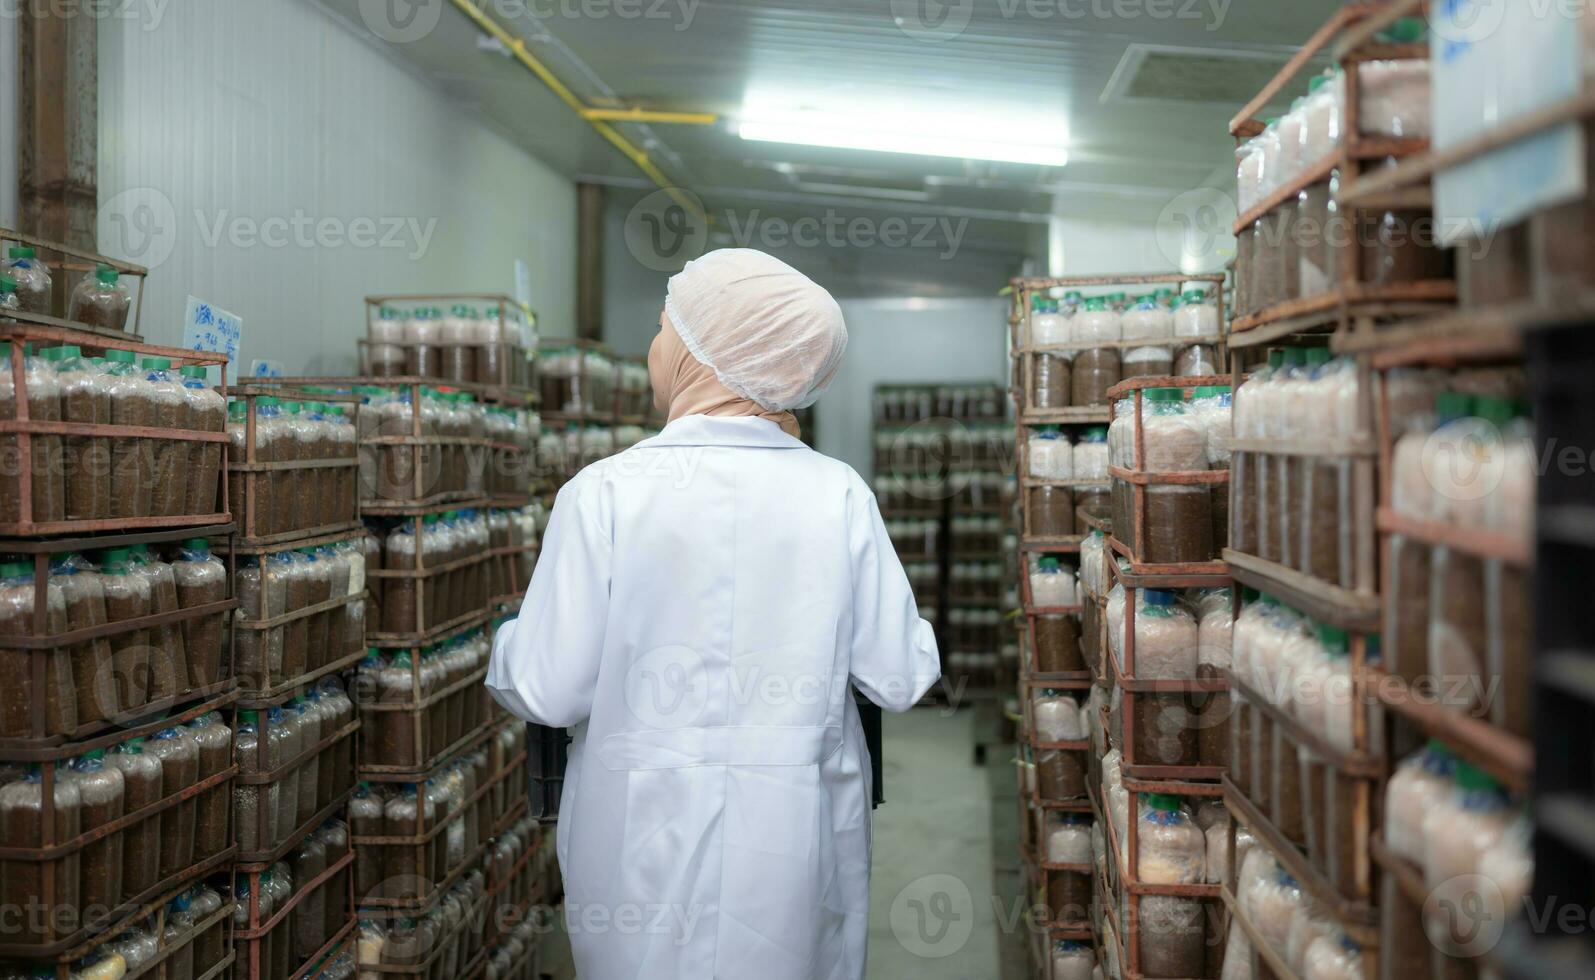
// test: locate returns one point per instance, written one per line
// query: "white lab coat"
(701, 604)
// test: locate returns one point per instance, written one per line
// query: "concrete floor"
(944, 891)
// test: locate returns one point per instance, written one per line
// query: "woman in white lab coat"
(702, 604)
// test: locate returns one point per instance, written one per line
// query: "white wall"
(226, 114)
(902, 341)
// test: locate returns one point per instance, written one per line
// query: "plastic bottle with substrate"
(142, 782)
(100, 299)
(168, 411)
(178, 752)
(85, 399)
(1420, 784)
(282, 747)
(32, 278)
(207, 412)
(103, 797)
(168, 656)
(1171, 849)
(308, 725)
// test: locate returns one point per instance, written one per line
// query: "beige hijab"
(684, 385)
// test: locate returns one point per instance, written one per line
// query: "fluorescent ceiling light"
(897, 133)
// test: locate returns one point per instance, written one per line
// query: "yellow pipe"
(652, 115)
(631, 151)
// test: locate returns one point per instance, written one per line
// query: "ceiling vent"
(1156, 74)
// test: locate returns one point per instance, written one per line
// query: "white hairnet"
(770, 333)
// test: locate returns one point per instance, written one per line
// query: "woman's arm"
(545, 662)
(894, 651)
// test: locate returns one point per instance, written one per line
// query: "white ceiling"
(1048, 60)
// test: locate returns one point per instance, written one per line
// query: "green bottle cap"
(1163, 802)
(15, 569)
(157, 363)
(1496, 411)
(1452, 405)
(107, 275)
(1333, 639)
(1471, 778)
(1048, 564)
(1276, 358)
(120, 356)
(1295, 356)
(192, 371)
(197, 544)
(23, 252)
(7, 285)
(1317, 356)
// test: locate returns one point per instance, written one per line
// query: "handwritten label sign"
(211, 328)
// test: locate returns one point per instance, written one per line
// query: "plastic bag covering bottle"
(207, 412)
(1072, 960)
(385, 330)
(307, 724)
(168, 676)
(1509, 510)
(1509, 862)
(1458, 832)
(100, 300)
(169, 410)
(1050, 456)
(47, 455)
(201, 579)
(254, 804)
(215, 741)
(422, 331)
(178, 937)
(366, 819)
(1068, 838)
(1322, 116)
(1196, 317)
(178, 753)
(22, 816)
(1052, 585)
(1270, 174)
(85, 398)
(1248, 174)
(1057, 717)
(282, 747)
(1171, 848)
(103, 797)
(142, 783)
(93, 677)
(1333, 957)
(1421, 783)
(1307, 925)
(32, 278)
(1089, 460)
(1165, 637)
(1147, 320)
(1148, 362)
(17, 698)
(8, 298)
(1047, 324)
(1271, 902)
(1096, 369)
(243, 897)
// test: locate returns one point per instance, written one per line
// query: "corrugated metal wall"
(263, 156)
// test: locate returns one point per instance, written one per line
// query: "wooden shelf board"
(1329, 604)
